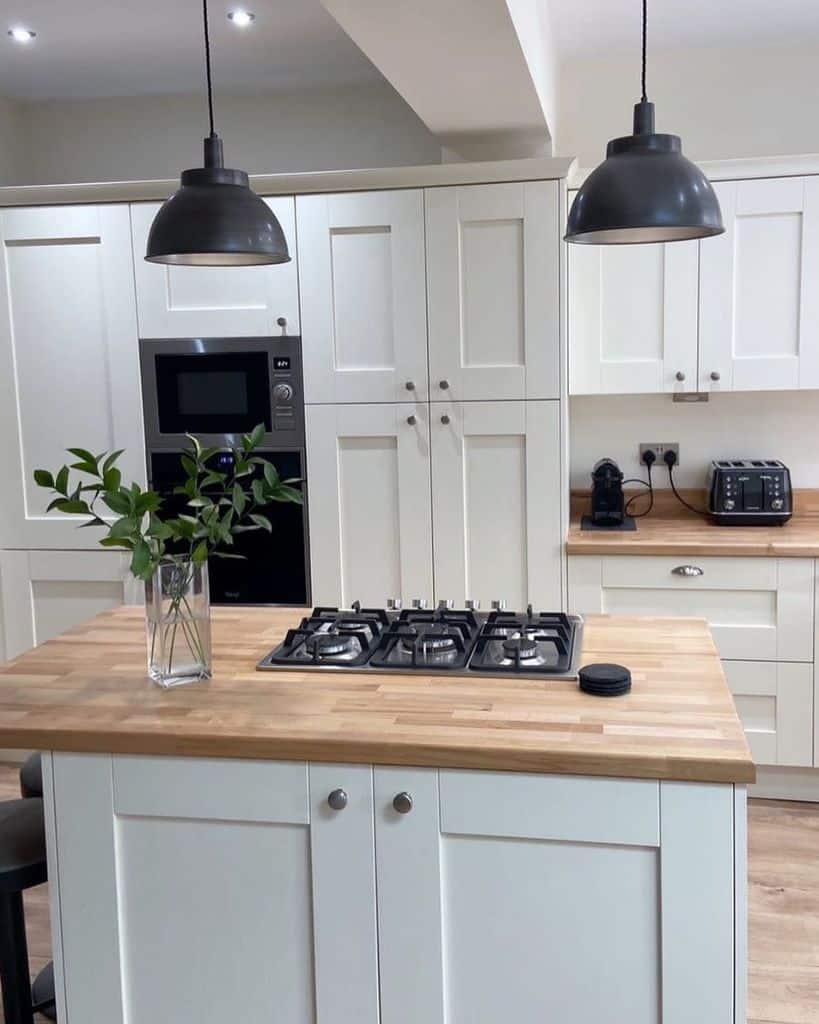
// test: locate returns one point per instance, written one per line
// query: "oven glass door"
(215, 393)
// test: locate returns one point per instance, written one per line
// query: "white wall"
(723, 103)
(157, 136)
(12, 152)
(769, 424)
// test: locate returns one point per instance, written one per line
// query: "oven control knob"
(729, 504)
(777, 504)
(282, 392)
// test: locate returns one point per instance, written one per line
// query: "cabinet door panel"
(370, 520)
(759, 313)
(496, 502)
(632, 318)
(493, 283)
(69, 365)
(203, 302)
(361, 272)
(775, 703)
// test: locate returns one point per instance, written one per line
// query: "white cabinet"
(185, 302)
(69, 363)
(633, 318)
(759, 307)
(535, 898)
(43, 593)
(369, 503)
(193, 890)
(497, 502)
(363, 296)
(493, 281)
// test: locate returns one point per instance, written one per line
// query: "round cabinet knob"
(443, 385)
(281, 321)
(777, 504)
(337, 800)
(680, 375)
(411, 420)
(410, 385)
(402, 803)
(282, 392)
(445, 419)
(715, 375)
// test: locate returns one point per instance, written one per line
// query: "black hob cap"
(603, 680)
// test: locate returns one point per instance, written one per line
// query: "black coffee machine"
(608, 508)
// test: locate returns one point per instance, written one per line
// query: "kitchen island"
(360, 848)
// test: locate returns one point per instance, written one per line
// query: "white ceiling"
(96, 48)
(613, 26)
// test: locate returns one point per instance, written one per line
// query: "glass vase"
(177, 611)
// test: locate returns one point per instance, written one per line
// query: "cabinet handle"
(402, 803)
(443, 384)
(410, 385)
(680, 375)
(715, 375)
(337, 800)
(411, 420)
(688, 570)
(445, 419)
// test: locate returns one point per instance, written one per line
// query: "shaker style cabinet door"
(206, 302)
(493, 280)
(369, 504)
(363, 299)
(632, 318)
(211, 890)
(69, 361)
(496, 503)
(759, 307)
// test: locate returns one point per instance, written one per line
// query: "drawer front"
(775, 703)
(759, 609)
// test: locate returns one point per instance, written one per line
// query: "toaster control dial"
(729, 504)
(777, 504)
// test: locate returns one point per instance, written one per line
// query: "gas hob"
(461, 642)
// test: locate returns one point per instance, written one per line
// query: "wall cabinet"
(69, 365)
(761, 614)
(238, 878)
(363, 296)
(203, 302)
(493, 282)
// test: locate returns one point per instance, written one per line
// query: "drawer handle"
(688, 570)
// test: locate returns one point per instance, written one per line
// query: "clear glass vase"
(177, 610)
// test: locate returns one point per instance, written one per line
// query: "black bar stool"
(22, 865)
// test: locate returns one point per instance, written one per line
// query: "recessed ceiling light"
(241, 18)
(21, 35)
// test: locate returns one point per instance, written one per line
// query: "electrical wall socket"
(660, 450)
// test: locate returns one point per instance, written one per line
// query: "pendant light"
(214, 219)
(645, 190)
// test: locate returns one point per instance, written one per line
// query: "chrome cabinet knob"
(410, 385)
(337, 800)
(715, 375)
(445, 419)
(688, 570)
(443, 384)
(402, 802)
(419, 603)
(412, 420)
(680, 375)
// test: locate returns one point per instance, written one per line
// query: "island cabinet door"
(363, 299)
(517, 897)
(206, 302)
(198, 891)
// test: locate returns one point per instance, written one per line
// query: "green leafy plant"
(218, 506)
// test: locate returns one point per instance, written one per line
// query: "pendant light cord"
(207, 64)
(645, 18)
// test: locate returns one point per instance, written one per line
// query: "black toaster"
(749, 492)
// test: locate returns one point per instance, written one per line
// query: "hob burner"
(522, 647)
(329, 644)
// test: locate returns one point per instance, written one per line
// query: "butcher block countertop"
(87, 690)
(670, 529)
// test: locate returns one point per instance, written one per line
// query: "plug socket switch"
(660, 449)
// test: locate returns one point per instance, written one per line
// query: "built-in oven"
(220, 389)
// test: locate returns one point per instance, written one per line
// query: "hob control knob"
(499, 606)
(777, 504)
(282, 392)
(729, 504)
(419, 603)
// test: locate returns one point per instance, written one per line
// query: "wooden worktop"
(87, 691)
(670, 529)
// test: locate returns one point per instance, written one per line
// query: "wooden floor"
(784, 910)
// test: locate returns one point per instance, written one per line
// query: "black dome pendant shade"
(214, 219)
(645, 190)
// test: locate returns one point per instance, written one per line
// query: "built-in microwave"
(219, 389)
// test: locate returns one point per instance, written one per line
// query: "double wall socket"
(660, 450)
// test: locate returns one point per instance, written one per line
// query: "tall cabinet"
(432, 337)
